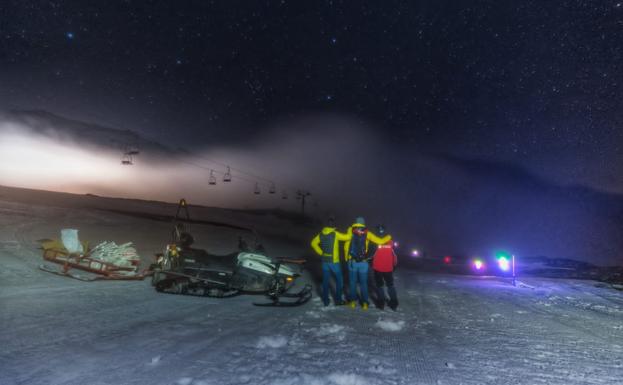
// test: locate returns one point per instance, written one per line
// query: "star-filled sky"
(537, 84)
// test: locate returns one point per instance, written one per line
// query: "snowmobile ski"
(301, 298)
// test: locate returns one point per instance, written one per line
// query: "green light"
(502, 254)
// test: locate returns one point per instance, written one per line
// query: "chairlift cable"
(212, 170)
(238, 170)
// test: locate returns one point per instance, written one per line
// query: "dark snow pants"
(381, 279)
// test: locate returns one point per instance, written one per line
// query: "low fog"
(436, 202)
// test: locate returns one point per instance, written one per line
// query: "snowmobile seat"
(200, 258)
(225, 262)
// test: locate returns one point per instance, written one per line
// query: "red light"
(447, 260)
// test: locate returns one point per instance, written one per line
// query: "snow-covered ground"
(448, 330)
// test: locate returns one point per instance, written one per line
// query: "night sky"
(533, 83)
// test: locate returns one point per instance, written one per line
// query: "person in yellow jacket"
(355, 252)
(326, 244)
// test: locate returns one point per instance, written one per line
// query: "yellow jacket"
(369, 238)
(315, 243)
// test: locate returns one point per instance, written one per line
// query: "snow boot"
(364, 306)
(393, 305)
(353, 304)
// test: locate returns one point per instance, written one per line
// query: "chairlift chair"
(131, 149)
(227, 176)
(284, 194)
(256, 191)
(126, 159)
(212, 179)
(272, 188)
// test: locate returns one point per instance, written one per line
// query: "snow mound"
(390, 326)
(330, 330)
(327, 329)
(272, 342)
(155, 360)
(383, 370)
(313, 314)
(331, 379)
(190, 381)
(347, 379)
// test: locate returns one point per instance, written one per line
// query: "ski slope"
(448, 330)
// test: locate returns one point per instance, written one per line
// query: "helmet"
(380, 229)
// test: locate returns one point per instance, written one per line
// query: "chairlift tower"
(302, 195)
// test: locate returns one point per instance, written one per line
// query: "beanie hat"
(360, 221)
(330, 222)
(380, 229)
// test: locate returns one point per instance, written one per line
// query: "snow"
(390, 326)
(331, 379)
(447, 330)
(272, 342)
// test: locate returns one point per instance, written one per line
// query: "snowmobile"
(181, 269)
(185, 270)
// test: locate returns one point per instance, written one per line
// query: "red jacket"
(384, 259)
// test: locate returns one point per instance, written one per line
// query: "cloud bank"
(436, 202)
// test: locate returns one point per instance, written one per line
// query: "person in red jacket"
(384, 261)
